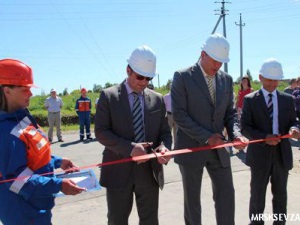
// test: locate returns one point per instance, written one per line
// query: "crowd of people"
(132, 120)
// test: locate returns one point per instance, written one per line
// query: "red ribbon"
(152, 155)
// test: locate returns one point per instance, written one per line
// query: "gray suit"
(197, 120)
(265, 160)
(114, 129)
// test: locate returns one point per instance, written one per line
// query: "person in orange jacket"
(83, 109)
(27, 183)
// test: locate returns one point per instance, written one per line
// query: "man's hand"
(294, 132)
(216, 139)
(69, 187)
(241, 142)
(67, 164)
(160, 156)
(138, 150)
(275, 139)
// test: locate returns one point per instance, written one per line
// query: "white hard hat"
(217, 47)
(271, 69)
(52, 90)
(143, 61)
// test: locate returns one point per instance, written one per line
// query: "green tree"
(169, 83)
(107, 85)
(97, 88)
(65, 92)
(248, 73)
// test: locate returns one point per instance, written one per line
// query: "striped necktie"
(138, 122)
(211, 88)
(270, 107)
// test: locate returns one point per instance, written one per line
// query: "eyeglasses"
(140, 77)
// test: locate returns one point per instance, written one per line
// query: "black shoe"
(50, 140)
(89, 138)
(60, 140)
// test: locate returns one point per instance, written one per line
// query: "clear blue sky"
(79, 43)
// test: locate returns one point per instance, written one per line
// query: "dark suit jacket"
(114, 130)
(256, 124)
(198, 118)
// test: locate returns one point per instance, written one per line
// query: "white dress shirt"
(275, 108)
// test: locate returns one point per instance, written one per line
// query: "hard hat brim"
(151, 75)
(272, 77)
(221, 60)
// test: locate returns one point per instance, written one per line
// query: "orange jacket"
(38, 148)
(83, 105)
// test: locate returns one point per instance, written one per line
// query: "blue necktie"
(138, 122)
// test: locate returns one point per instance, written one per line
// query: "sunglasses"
(140, 77)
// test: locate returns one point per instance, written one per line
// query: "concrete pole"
(241, 45)
(222, 16)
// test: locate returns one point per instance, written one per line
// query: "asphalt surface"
(90, 207)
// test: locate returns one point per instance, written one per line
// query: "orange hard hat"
(15, 72)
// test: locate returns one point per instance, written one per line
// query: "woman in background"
(244, 90)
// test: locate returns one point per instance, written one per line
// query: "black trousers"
(278, 177)
(146, 192)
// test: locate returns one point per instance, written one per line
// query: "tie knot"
(135, 95)
(270, 95)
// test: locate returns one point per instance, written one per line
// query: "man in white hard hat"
(268, 114)
(54, 104)
(202, 106)
(131, 121)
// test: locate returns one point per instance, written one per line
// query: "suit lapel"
(219, 87)
(126, 110)
(147, 106)
(280, 104)
(198, 76)
(262, 102)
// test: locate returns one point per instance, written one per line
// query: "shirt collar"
(203, 72)
(129, 90)
(266, 93)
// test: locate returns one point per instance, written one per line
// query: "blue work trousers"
(84, 121)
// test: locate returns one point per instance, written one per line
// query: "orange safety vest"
(38, 148)
(84, 105)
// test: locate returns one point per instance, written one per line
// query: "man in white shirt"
(268, 114)
(54, 104)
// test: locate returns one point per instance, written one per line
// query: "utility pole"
(158, 80)
(222, 16)
(241, 45)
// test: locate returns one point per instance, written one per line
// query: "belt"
(169, 113)
(54, 112)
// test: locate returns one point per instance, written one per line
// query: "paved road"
(90, 208)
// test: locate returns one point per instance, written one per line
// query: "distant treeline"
(68, 112)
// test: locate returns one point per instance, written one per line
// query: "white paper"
(85, 179)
